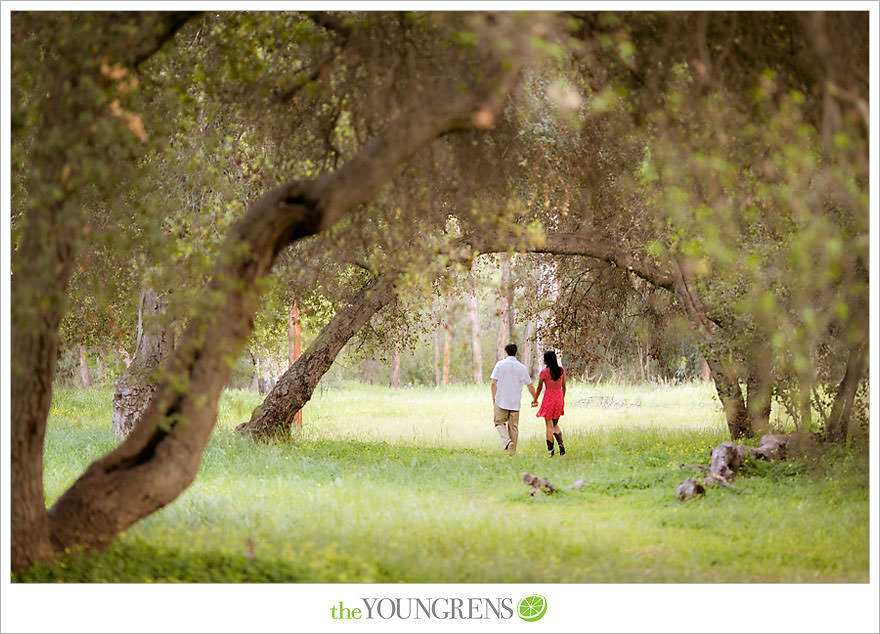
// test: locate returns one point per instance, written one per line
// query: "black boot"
(558, 438)
(550, 447)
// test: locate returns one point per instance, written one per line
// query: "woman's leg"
(557, 434)
(548, 422)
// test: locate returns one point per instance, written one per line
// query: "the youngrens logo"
(530, 608)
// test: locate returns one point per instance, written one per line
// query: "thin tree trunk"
(837, 427)
(272, 419)
(437, 371)
(504, 311)
(446, 353)
(138, 384)
(511, 333)
(395, 367)
(295, 340)
(730, 395)
(84, 368)
(476, 346)
(528, 345)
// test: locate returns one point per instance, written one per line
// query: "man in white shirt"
(508, 378)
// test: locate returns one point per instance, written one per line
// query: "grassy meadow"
(411, 485)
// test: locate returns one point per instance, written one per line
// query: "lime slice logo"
(532, 608)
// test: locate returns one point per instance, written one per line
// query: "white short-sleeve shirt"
(511, 376)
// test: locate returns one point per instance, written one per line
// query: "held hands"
(535, 403)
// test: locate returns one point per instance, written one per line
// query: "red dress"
(553, 405)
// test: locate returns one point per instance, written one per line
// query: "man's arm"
(494, 389)
(532, 392)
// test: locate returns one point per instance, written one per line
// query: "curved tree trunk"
(160, 457)
(272, 419)
(138, 384)
(34, 351)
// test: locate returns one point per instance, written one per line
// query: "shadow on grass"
(139, 562)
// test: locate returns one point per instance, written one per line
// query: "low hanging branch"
(160, 458)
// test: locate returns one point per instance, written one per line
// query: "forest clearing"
(374, 494)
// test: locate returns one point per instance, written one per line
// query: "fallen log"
(771, 447)
(726, 459)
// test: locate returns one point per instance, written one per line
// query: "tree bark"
(84, 368)
(528, 345)
(272, 419)
(155, 344)
(838, 421)
(759, 399)
(705, 372)
(395, 367)
(160, 457)
(476, 346)
(41, 269)
(295, 339)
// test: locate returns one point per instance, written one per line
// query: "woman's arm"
(539, 388)
(563, 384)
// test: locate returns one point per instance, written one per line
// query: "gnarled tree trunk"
(34, 351)
(272, 419)
(138, 384)
(160, 457)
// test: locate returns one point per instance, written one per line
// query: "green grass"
(412, 486)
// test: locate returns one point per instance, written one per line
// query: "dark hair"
(510, 349)
(553, 365)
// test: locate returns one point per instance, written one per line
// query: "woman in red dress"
(553, 405)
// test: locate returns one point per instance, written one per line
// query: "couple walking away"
(508, 378)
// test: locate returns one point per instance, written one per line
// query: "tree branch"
(170, 24)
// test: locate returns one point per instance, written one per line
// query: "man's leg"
(501, 416)
(513, 430)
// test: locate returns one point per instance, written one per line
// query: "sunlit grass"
(411, 485)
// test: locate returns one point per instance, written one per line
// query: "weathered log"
(772, 447)
(690, 488)
(726, 460)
